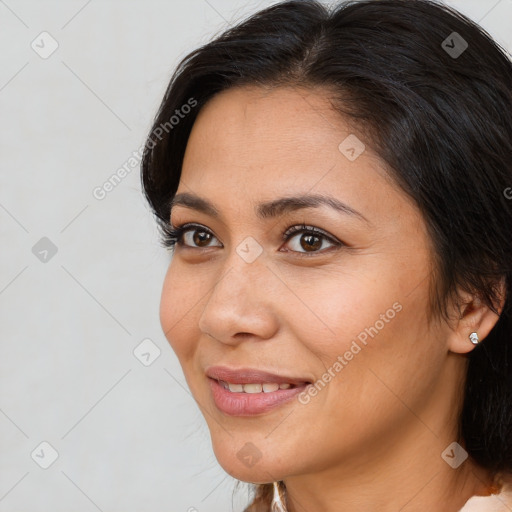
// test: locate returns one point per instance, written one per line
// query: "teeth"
(266, 387)
(252, 388)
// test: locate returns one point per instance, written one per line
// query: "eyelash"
(173, 235)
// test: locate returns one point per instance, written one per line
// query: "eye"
(188, 235)
(310, 241)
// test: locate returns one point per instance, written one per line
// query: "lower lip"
(250, 404)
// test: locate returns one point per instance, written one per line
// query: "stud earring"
(474, 338)
(277, 504)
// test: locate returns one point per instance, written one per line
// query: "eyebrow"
(269, 209)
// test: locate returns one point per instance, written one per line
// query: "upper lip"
(249, 376)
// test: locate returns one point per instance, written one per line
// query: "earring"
(277, 504)
(474, 338)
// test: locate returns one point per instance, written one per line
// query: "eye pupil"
(310, 242)
(200, 237)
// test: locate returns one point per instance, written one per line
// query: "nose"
(242, 303)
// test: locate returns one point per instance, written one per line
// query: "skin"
(372, 438)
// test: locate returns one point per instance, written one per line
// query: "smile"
(266, 387)
(251, 391)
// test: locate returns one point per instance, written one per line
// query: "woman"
(335, 187)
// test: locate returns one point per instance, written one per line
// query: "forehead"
(250, 142)
(264, 126)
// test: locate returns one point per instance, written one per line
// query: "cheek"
(338, 307)
(178, 305)
(378, 329)
(390, 357)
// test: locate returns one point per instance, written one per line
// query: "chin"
(248, 463)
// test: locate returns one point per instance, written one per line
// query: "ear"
(474, 316)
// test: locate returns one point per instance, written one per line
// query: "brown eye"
(310, 242)
(200, 238)
(308, 239)
(197, 236)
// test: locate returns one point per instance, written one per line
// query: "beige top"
(501, 502)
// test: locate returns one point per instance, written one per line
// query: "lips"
(249, 392)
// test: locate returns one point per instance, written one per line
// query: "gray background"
(129, 437)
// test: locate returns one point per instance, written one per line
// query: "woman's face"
(345, 311)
